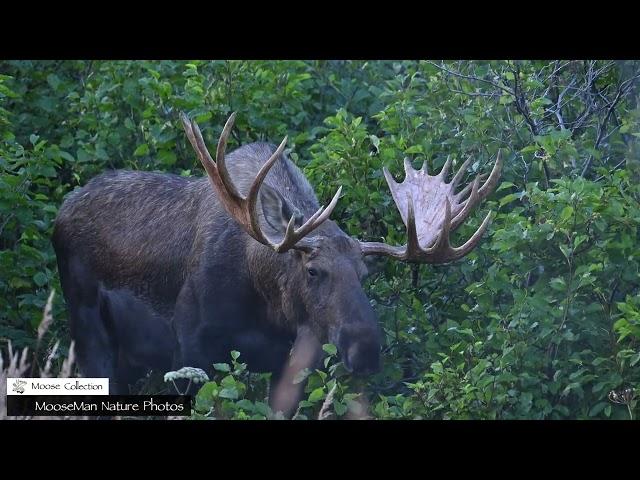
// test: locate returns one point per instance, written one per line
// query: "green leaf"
(203, 117)
(40, 279)
(228, 381)
(230, 393)
(529, 149)
(558, 284)
(222, 367)
(316, 395)
(245, 404)
(579, 240)
(141, 150)
(82, 155)
(67, 156)
(330, 348)
(566, 213)
(414, 149)
(101, 154)
(375, 142)
(205, 396)
(597, 408)
(508, 199)
(262, 408)
(505, 185)
(340, 408)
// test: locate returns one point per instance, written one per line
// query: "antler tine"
(487, 188)
(264, 170)
(442, 246)
(252, 196)
(387, 175)
(202, 147)
(491, 183)
(461, 251)
(469, 204)
(325, 215)
(186, 124)
(408, 168)
(204, 157)
(462, 193)
(220, 159)
(244, 209)
(289, 235)
(217, 170)
(445, 169)
(460, 173)
(413, 246)
(292, 236)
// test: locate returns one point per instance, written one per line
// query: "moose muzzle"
(359, 347)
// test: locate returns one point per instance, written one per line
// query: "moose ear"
(276, 210)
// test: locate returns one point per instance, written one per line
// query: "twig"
(469, 77)
(612, 170)
(622, 91)
(324, 411)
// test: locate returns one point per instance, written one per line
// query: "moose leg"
(187, 328)
(127, 374)
(144, 339)
(306, 353)
(95, 345)
(95, 349)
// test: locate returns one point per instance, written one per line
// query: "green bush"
(542, 320)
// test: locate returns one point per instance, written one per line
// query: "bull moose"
(161, 271)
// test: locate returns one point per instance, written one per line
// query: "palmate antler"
(439, 212)
(243, 209)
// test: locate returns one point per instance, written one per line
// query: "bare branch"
(623, 89)
(469, 77)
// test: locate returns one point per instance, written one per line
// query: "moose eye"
(312, 272)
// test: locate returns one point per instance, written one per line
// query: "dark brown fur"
(158, 250)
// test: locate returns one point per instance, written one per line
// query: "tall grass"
(25, 364)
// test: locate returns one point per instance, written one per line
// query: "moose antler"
(243, 209)
(439, 212)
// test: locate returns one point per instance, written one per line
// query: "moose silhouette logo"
(18, 386)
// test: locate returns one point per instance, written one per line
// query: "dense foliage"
(542, 321)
